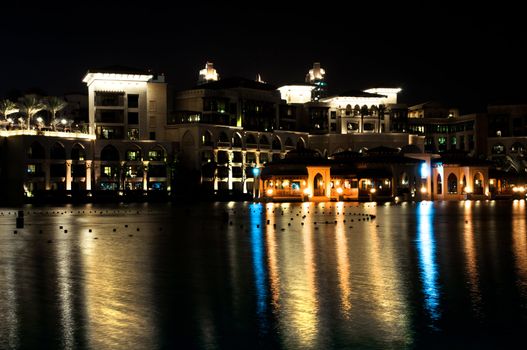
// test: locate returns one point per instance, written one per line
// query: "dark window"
(109, 99)
(109, 116)
(152, 135)
(133, 101)
(133, 118)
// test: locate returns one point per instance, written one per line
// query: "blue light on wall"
(256, 172)
(425, 171)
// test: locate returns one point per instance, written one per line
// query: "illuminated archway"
(318, 185)
(478, 183)
(452, 184)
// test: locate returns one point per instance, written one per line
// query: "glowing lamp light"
(425, 172)
(337, 182)
(423, 189)
(40, 120)
(63, 121)
(307, 191)
(256, 172)
(491, 181)
(373, 190)
(270, 192)
(339, 190)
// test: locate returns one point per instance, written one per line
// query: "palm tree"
(363, 112)
(30, 105)
(382, 109)
(54, 105)
(7, 107)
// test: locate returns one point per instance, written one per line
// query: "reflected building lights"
(343, 266)
(258, 255)
(427, 260)
(471, 259)
(8, 302)
(519, 244)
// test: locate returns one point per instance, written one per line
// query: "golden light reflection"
(343, 268)
(299, 305)
(8, 297)
(274, 272)
(117, 296)
(519, 244)
(386, 289)
(471, 258)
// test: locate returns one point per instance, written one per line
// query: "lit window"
(31, 168)
(107, 171)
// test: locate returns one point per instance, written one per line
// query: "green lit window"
(441, 140)
(107, 171)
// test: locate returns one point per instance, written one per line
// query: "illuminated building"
(208, 74)
(316, 77)
(227, 128)
(457, 177)
(379, 174)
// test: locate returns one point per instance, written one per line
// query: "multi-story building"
(445, 130)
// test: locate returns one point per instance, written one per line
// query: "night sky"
(466, 59)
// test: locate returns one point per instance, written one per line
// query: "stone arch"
(300, 143)
(478, 183)
(78, 152)
(452, 183)
(36, 151)
(57, 151)
(223, 137)
(157, 153)
(206, 138)
(110, 153)
(318, 185)
(133, 153)
(517, 147)
(188, 140)
(237, 140)
(277, 144)
(264, 140)
(250, 140)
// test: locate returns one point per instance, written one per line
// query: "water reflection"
(272, 262)
(258, 255)
(343, 265)
(427, 259)
(299, 311)
(519, 245)
(471, 258)
(8, 296)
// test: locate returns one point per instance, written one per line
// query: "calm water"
(418, 276)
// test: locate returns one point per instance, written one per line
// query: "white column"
(145, 176)
(47, 169)
(88, 174)
(244, 177)
(68, 175)
(230, 169)
(216, 177)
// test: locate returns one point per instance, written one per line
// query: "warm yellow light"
(386, 182)
(270, 192)
(461, 182)
(423, 189)
(304, 182)
(339, 190)
(307, 191)
(373, 190)
(321, 182)
(492, 181)
(285, 183)
(337, 182)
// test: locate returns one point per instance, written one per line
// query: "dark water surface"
(417, 276)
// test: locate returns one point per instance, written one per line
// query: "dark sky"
(434, 52)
